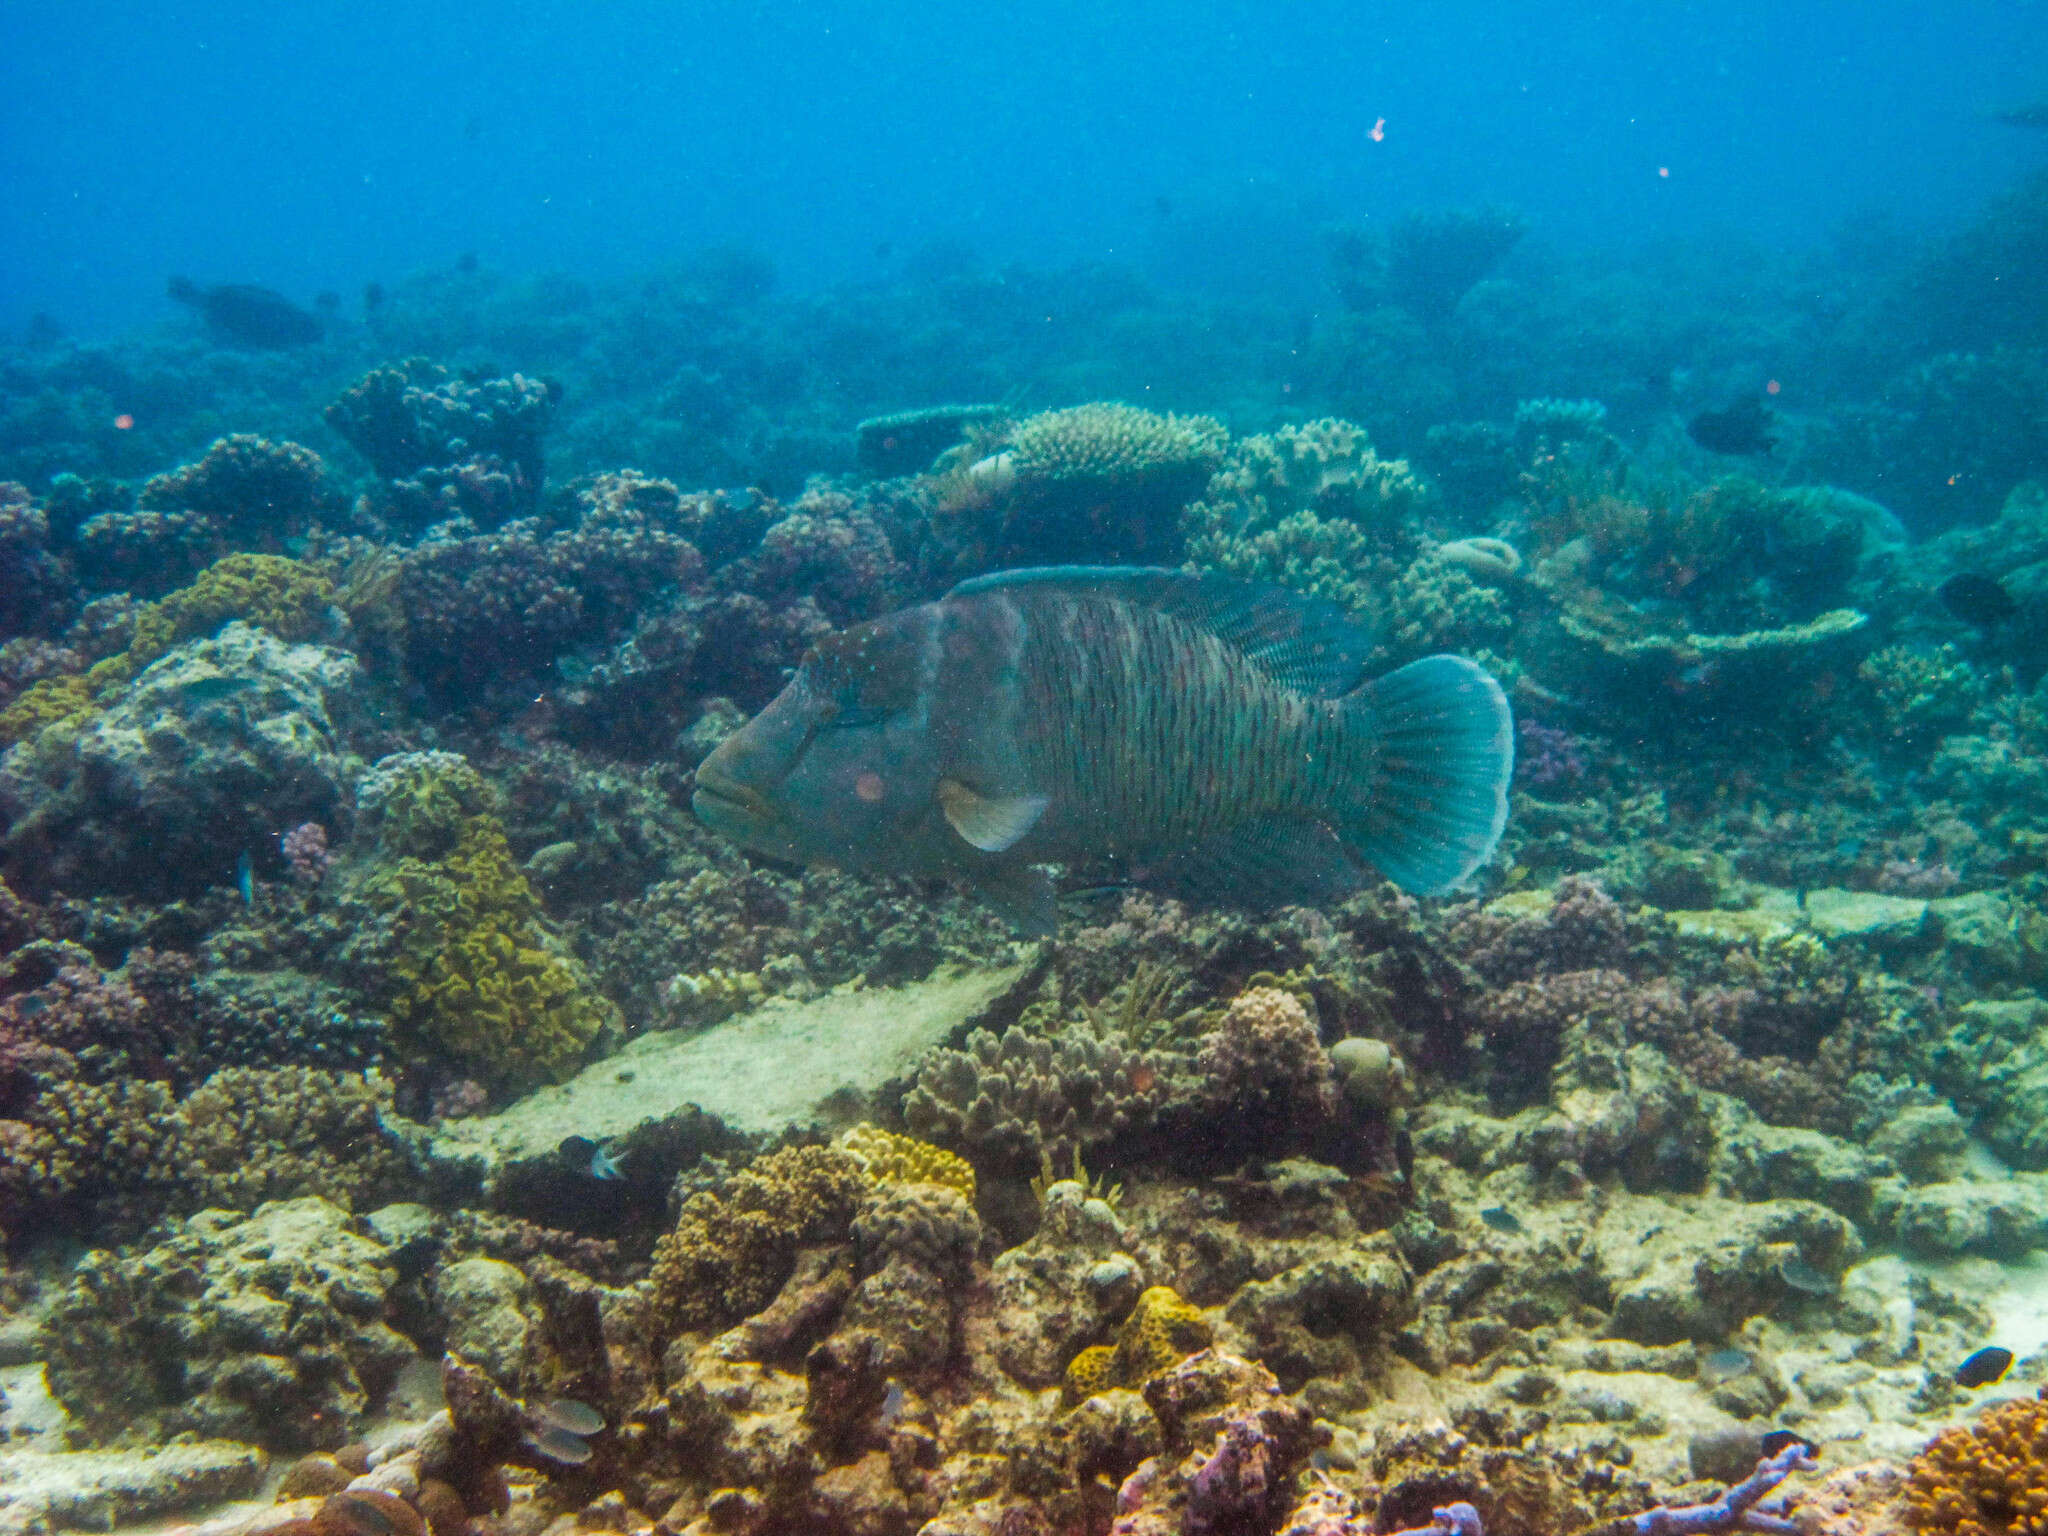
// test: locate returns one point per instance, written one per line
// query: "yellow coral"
(1091, 1371)
(472, 976)
(1161, 1331)
(1990, 1479)
(47, 701)
(889, 1158)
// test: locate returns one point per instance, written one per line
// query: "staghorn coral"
(733, 1246)
(887, 1158)
(1022, 1098)
(1987, 1479)
(1161, 1331)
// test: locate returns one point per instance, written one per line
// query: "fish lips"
(741, 813)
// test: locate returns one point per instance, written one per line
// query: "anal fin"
(1275, 861)
(1023, 895)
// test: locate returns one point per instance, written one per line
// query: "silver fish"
(1197, 734)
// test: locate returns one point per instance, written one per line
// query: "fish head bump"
(839, 768)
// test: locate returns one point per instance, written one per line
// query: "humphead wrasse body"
(1196, 734)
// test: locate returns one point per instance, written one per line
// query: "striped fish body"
(1147, 734)
(1196, 734)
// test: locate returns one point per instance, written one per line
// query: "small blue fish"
(582, 1152)
(1501, 1220)
(892, 1404)
(205, 690)
(1984, 1367)
(245, 878)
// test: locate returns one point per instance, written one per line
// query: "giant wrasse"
(1191, 733)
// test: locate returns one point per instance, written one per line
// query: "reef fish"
(1195, 734)
(1501, 1220)
(243, 315)
(1984, 1367)
(1743, 428)
(1979, 600)
(581, 1152)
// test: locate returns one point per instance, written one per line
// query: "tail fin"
(1440, 745)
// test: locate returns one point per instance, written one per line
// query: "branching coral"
(732, 1247)
(255, 491)
(1025, 1097)
(1988, 1479)
(1265, 1058)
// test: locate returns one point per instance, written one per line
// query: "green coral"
(1921, 695)
(47, 701)
(418, 804)
(734, 1246)
(288, 598)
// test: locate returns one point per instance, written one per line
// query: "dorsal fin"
(1305, 643)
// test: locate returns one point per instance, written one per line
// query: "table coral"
(1091, 482)
(733, 1246)
(1987, 1479)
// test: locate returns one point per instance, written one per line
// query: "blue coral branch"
(1736, 1510)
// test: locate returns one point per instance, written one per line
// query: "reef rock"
(209, 753)
(266, 1328)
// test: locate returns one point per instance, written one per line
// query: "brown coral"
(732, 1247)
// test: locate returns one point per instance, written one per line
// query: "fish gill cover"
(1367, 700)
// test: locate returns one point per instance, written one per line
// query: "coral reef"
(1984, 1479)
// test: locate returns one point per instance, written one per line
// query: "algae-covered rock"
(266, 1328)
(492, 1317)
(1999, 1218)
(208, 754)
(1994, 1059)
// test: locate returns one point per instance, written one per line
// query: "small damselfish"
(1197, 735)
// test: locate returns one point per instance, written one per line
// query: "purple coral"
(1739, 1509)
(305, 849)
(1547, 754)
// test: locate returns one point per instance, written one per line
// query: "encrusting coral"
(1161, 1331)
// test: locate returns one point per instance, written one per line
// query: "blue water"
(317, 146)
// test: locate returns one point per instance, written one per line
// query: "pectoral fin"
(990, 822)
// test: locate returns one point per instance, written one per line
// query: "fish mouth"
(720, 798)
